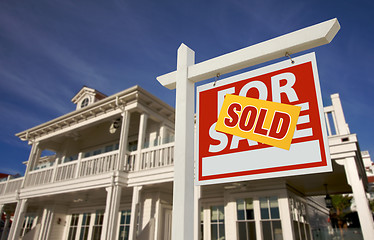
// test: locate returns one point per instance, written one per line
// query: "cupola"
(87, 96)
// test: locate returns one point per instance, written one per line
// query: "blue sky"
(49, 49)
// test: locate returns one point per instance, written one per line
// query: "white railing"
(158, 156)
(129, 164)
(98, 164)
(153, 157)
(2, 187)
(39, 177)
(65, 171)
(10, 186)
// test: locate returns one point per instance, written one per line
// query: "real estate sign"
(224, 157)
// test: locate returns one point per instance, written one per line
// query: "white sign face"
(222, 157)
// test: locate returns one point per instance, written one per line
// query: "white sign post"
(183, 80)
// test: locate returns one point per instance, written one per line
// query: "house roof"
(114, 102)
(84, 90)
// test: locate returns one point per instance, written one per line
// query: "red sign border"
(282, 171)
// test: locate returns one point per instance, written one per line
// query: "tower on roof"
(87, 96)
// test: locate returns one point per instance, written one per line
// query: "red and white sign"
(222, 157)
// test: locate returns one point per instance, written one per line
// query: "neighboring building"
(3, 175)
(111, 177)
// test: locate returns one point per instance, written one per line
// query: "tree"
(340, 208)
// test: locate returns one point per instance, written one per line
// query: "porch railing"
(158, 156)
(65, 171)
(10, 186)
(98, 164)
(153, 157)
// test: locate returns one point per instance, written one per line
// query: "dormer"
(87, 96)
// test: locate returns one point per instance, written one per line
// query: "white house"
(111, 177)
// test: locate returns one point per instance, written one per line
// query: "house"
(105, 171)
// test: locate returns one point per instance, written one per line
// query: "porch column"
(19, 215)
(1, 209)
(110, 224)
(46, 223)
(286, 220)
(4, 235)
(359, 194)
(141, 137)
(162, 134)
(197, 215)
(123, 141)
(33, 157)
(134, 211)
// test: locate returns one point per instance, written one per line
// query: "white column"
(33, 157)
(55, 166)
(285, 213)
(134, 211)
(46, 223)
(123, 141)
(1, 209)
(79, 164)
(141, 137)
(4, 235)
(359, 194)
(19, 215)
(197, 208)
(341, 126)
(162, 134)
(110, 223)
(183, 188)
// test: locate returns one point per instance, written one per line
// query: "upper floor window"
(85, 102)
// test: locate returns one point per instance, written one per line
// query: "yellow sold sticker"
(263, 121)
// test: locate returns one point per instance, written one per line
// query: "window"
(85, 102)
(270, 218)
(102, 149)
(300, 224)
(27, 225)
(86, 226)
(124, 226)
(217, 223)
(246, 219)
(73, 226)
(96, 231)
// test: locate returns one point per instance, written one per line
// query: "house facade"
(105, 171)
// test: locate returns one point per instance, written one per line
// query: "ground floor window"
(98, 225)
(270, 218)
(217, 223)
(27, 225)
(124, 225)
(246, 226)
(86, 226)
(258, 219)
(301, 226)
(212, 222)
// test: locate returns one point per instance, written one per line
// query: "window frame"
(281, 192)
(91, 213)
(206, 207)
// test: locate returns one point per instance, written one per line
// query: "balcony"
(137, 161)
